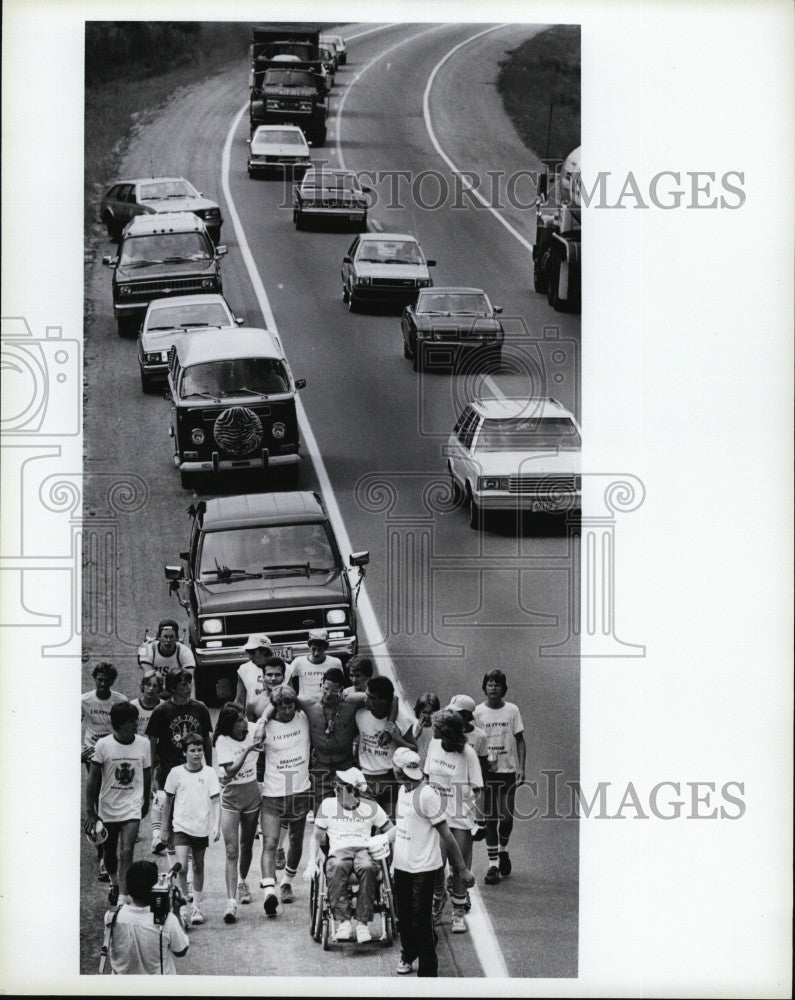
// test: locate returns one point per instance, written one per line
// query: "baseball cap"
(462, 703)
(353, 776)
(260, 641)
(318, 635)
(408, 762)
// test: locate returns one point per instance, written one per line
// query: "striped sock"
(492, 854)
(289, 874)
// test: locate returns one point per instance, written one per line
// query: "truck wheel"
(406, 351)
(188, 480)
(147, 385)
(475, 513)
(298, 222)
(418, 358)
(539, 276)
(320, 137)
(125, 328)
(553, 277)
(353, 305)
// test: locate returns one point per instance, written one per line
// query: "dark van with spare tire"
(233, 409)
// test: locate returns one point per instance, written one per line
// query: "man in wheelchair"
(349, 821)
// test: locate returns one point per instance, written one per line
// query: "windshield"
(390, 252)
(236, 376)
(455, 302)
(165, 247)
(283, 137)
(171, 317)
(528, 434)
(163, 190)
(277, 549)
(288, 78)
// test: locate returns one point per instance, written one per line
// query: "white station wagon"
(519, 454)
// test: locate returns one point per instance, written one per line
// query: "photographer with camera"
(143, 936)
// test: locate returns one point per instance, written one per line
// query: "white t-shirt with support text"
(501, 726)
(417, 814)
(227, 750)
(349, 828)
(95, 715)
(455, 776)
(192, 791)
(287, 750)
(373, 758)
(121, 794)
(310, 675)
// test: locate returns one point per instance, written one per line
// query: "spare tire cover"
(238, 431)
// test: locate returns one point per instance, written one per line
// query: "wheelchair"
(322, 924)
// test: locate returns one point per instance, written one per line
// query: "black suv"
(264, 562)
(169, 253)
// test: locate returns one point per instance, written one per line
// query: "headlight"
(578, 483)
(335, 617)
(363, 281)
(212, 214)
(305, 106)
(423, 282)
(492, 482)
(125, 290)
(156, 357)
(208, 283)
(197, 435)
(278, 430)
(212, 626)
(272, 105)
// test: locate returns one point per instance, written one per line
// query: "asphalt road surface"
(447, 602)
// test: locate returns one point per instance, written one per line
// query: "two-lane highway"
(448, 602)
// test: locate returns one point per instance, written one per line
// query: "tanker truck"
(556, 250)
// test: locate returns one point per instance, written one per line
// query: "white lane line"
(426, 112)
(484, 938)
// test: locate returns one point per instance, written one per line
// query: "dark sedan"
(446, 321)
(126, 199)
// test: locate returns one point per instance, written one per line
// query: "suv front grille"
(394, 282)
(283, 625)
(144, 291)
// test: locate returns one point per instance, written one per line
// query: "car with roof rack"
(127, 198)
(263, 563)
(161, 255)
(233, 404)
(516, 454)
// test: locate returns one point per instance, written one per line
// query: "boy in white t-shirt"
(193, 807)
(502, 723)
(350, 822)
(118, 790)
(306, 672)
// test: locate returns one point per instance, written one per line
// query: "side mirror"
(300, 383)
(431, 263)
(346, 260)
(359, 559)
(239, 321)
(184, 555)
(248, 142)
(108, 261)
(174, 573)
(498, 309)
(221, 250)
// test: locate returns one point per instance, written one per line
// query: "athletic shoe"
(505, 864)
(439, 902)
(281, 860)
(243, 892)
(230, 913)
(479, 833)
(271, 904)
(344, 931)
(310, 817)
(196, 915)
(493, 876)
(113, 895)
(468, 904)
(103, 872)
(404, 968)
(158, 846)
(286, 892)
(458, 926)
(363, 934)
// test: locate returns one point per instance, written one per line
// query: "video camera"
(166, 896)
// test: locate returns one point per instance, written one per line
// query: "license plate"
(284, 652)
(540, 506)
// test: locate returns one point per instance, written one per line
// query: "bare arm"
(240, 694)
(454, 853)
(208, 749)
(231, 769)
(168, 808)
(147, 791)
(215, 802)
(521, 754)
(92, 791)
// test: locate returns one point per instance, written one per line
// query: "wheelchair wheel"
(387, 906)
(324, 934)
(312, 906)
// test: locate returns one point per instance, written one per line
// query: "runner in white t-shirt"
(502, 723)
(95, 709)
(420, 830)
(148, 700)
(379, 736)
(286, 790)
(236, 754)
(165, 653)
(193, 806)
(250, 679)
(350, 821)
(118, 792)
(306, 672)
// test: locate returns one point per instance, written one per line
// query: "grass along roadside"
(541, 71)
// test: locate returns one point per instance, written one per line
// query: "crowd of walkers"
(307, 741)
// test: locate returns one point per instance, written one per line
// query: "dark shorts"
(324, 775)
(287, 807)
(242, 798)
(383, 788)
(195, 843)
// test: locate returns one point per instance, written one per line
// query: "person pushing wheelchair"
(349, 820)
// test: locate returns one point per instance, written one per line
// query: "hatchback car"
(233, 404)
(520, 454)
(268, 563)
(277, 149)
(159, 255)
(387, 268)
(446, 321)
(168, 319)
(333, 195)
(339, 44)
(126, 199)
